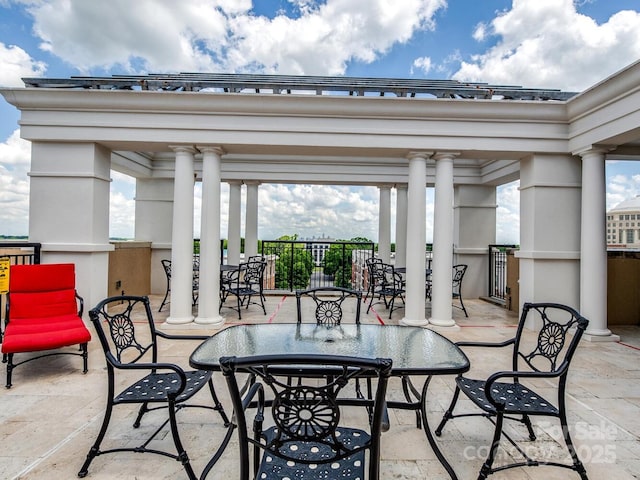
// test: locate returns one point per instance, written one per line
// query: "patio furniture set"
(291, 383)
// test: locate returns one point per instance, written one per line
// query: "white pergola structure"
(463, 139)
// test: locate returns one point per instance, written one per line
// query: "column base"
(437, 328)
(179, 320)
(610, 337)
(443, 323)
(407, 322)
(216, 321)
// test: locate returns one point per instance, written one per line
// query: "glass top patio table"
(414, 350)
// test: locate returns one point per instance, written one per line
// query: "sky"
(563, 44)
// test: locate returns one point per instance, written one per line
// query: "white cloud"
(14, 185)
(16, 63)
(313, 210)
(423, 64)
(547, 43)
(122, 206)
(223, 35)
(480, 32)
(621, 186)
(508, 214)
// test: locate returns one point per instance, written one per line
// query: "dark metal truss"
(286, 84)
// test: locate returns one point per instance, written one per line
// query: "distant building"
(318, 247)
(623, 224)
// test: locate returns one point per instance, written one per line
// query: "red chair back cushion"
(40, 291)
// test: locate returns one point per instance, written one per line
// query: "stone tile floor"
(50, 417)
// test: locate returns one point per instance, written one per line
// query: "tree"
(293, 264)
(337, 261)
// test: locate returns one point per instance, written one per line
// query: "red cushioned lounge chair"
(44, 313)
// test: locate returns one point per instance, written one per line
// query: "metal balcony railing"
(498, 271)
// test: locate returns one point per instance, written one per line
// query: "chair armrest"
(516, 375)
(150, 366)
(506, 343)
(81, 302)
(170, 336)
(255, 389)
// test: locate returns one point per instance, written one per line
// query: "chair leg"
(406, 389)
(488, 463)
(164, 300)
(85, 358)
(183, 458)
(527, 421)
(143, 409)
(9, 360)
(94, 451)
(448, 415)
(577, 464)
(218, 405)
(464, 309)
(370, 302)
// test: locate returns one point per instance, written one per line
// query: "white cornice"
(295, 105)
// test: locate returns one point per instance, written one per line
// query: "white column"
(69, 211)
(401, 226)
(384, 224)
(593, 247)
(153, 215)
(182, 238)
(233, 243)
(550, 198)
(209, 293)
(251, 220)
(416, 240)
(442, 264)
(474, 218)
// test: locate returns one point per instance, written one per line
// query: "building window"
(629, 236)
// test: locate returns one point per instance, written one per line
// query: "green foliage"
(293, 262)
(342, 277)
(337, 261)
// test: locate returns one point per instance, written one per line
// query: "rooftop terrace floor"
(51, 415)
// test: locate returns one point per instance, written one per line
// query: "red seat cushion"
(44, 334)
(43, 311)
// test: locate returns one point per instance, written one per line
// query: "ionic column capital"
(424, 155)
(216, 149)
(183, 149)
(445, 155)
(593, 150)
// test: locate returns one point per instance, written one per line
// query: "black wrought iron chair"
(391, 287)
(195, 282)
(328, 301)
(305, 436)
(329, 312)
(456, 284)
(133, 346)
(244, 283)
(502, 395)
(377, 282)
(370, 263)
(456, 287)
(256, 281)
